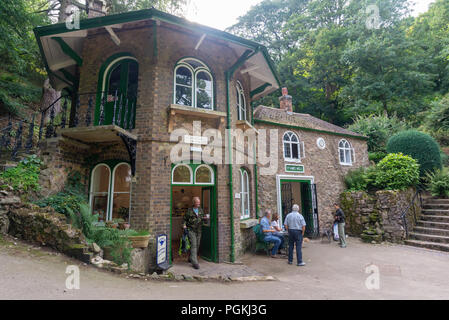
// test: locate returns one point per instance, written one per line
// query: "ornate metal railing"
(118, 109)
(417, 199)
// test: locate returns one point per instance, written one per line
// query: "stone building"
(151, 96)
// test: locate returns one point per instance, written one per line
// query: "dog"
(326, 234)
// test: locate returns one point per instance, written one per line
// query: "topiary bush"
(396, 172)
(419, 146)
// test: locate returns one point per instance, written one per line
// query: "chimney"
(285, 101)
(97, 8)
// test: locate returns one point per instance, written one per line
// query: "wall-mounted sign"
(321, 143)
(296, 168)
(195, 139)
(237, 195)
(161, 258)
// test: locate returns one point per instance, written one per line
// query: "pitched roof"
(304, 121)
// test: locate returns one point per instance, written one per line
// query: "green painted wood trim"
(69, 51)
(69, 76)
(309, 129)
(259, 89)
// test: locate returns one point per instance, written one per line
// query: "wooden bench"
(260, 242)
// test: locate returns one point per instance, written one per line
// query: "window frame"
(345, 148)
(194, 71)
(211, 175)
(244, 195)
(241, 102)
(173, 171)
(112, 187)
(299, 142)
(108, 193)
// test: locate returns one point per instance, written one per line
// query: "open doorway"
(181, 201)
(302, 193)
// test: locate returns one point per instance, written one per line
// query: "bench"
(260, 242)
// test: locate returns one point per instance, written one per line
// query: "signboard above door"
(295, 168)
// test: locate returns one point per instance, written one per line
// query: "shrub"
(355, 180)
(396, 172)
(376, 156)
(438, 183)
(378, 128)
(419, 146)
(25, 175)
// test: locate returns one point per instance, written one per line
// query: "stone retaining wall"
(377, 217)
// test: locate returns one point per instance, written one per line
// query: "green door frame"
(213, 207)
(300, 180)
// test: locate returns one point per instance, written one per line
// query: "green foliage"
(70, 199)
(376, 156)
(25, 176)
(134, 233)
(436, 121)
(355, 180)
(378, 128)
(419, 146)
(115, 240)
(438, 183)
(396, 172)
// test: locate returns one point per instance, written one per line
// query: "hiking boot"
(300, 264)
(275, 256)
(196, 266)
(290, 262)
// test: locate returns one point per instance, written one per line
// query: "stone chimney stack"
(97, 8)
(285, 101)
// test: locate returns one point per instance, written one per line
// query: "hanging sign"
(296, 168)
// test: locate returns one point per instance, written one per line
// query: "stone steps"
(435, 218)
(432, 224)
(436, 212)
(429, 237)
(428, 245)
(436, 206)
(436, 201)
(432, 231)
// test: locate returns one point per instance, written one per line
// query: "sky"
(221, 14)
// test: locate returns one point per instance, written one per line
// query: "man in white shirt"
(296, 226)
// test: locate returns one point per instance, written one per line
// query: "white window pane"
(183, 96)
(184, 76)
(100, 179)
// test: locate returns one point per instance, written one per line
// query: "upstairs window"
(293, 148)
(241, 102)
(346, 153)
(193, 84)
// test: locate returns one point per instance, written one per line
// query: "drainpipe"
(228, 75)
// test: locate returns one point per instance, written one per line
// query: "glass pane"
(100, 206)
(243, 204)
(203, 175)
(342, 155)
(348, 155)
(294, 138)
(181, 174)
(100, 179)
(114, 80)
(194, 63)
(247, 205)
(295, 151)
(204, 81)
(132, 80)
(183, 96)
(203, 99)
(183, 76)
(122, 178)
(287, 150)
(120, 207)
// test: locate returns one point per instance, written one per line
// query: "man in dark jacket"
(340, 219)
(193, 221)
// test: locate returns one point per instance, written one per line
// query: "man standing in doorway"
(340, 219)
(193, 221)
(296, 226)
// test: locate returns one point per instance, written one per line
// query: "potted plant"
(111, 224)
(123, 214)
(139, 239)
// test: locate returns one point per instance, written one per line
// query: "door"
(286, 199)
(121, 89)
(207, 245)
(309, 208)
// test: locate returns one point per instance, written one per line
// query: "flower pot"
(123, 226)
(107, 253)
(139, 241)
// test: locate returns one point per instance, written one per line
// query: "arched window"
(241, 102)
(182, 174)
(346, 152)
(193, 84)
(204, 175)
(293, 148)
(99, 191)
(121, 188)
(244, 194)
